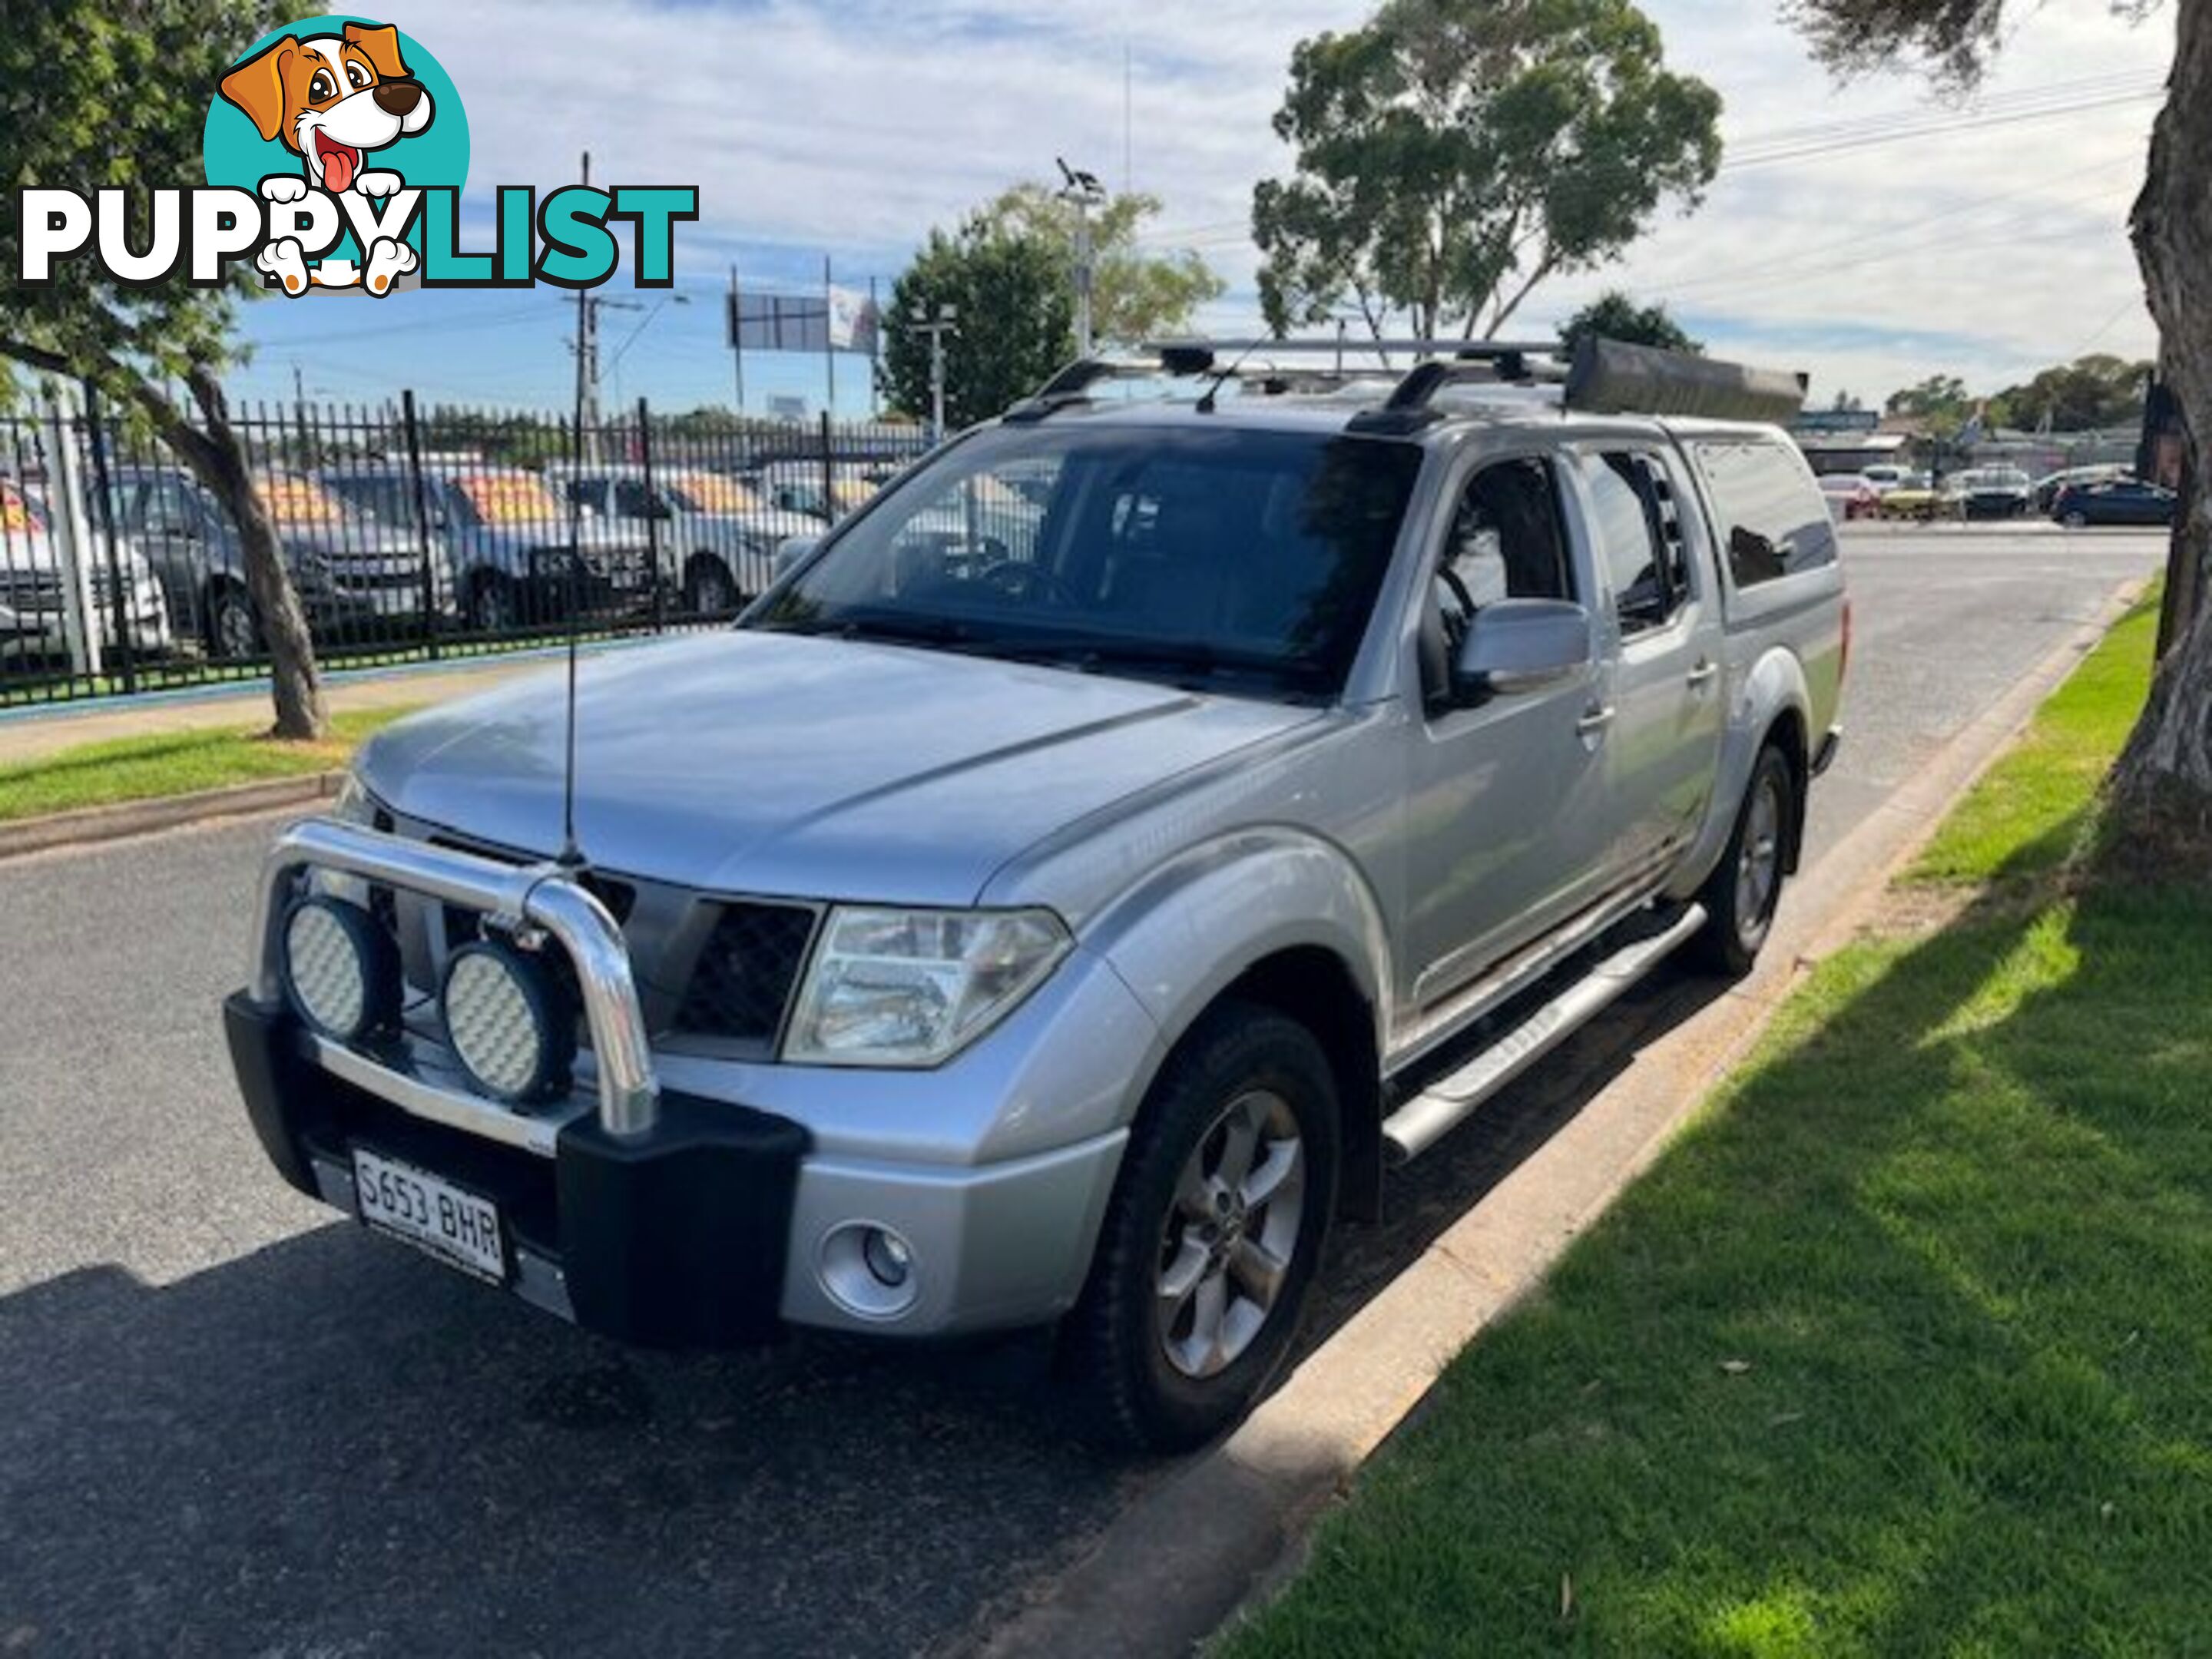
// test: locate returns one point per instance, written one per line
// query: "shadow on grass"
(1905, 1349)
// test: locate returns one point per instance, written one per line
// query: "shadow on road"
(333, 1445)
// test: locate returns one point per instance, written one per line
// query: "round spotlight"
(341, 970)
(869, 1270)
(510, 1028)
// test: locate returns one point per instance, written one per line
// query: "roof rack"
(1602, 376)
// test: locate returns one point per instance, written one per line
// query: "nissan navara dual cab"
(957, 944)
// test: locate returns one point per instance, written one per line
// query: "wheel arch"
(1314, 986)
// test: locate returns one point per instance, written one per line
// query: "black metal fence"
(411, 533)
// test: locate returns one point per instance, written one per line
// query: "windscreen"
(1248, 560)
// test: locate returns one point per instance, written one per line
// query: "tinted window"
(1639, 538)
(1771, 524)
(1195, 551)
(1507, 542)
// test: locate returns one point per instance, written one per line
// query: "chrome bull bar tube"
(541, 896)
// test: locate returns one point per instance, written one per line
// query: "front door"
(1503, 792)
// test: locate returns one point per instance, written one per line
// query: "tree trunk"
(2162, 786)
(220, 460)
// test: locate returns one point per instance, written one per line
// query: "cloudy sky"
(1872, 234)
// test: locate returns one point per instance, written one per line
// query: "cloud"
(851, 129)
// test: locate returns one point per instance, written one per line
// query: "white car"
(35, 599)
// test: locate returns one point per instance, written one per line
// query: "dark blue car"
(2113, 501)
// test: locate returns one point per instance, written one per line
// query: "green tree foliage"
(2082, 395)
(1941, 400)
(1614, 316)
(1135, 296)
(1016, 310)
(115, 93)
(1009, 269)
(1453, 153)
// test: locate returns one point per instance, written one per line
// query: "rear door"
(1663, 713)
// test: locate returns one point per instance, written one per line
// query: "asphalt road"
(236, 1426)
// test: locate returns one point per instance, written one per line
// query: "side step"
(1422, 1121)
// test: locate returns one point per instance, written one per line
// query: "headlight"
(354, 804)
(912, 987)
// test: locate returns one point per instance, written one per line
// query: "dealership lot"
(242, 1427)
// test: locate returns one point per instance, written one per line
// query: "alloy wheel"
(1758, 864)
(1231, 1234)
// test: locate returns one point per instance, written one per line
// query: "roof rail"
(1604, 377)
(1072, 383)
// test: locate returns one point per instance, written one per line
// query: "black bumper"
(677, 1240)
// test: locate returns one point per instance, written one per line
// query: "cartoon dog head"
(330, 97)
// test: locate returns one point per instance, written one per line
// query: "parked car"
(1885, 475)
(1989, 492)
(964, 945)
(505, 537)
(1849, 496)
(354, 578)
(34, 588)
(2048, 486)
(2114, 500)
(799, 487)
(717, 539)
(1917, 498)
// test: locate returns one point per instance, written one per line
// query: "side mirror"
(1517, 645)
(793, 550)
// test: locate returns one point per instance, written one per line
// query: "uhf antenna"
(572, 855)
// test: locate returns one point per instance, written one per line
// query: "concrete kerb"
(1226, 1528)
(142, 818)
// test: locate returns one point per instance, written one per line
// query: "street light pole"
(1082, 190)
(945, 322)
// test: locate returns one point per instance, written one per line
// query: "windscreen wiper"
(1198, 656)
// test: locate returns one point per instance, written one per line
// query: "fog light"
(888, 1257)
(510, 1027)
(869, 1271)
(341, 970)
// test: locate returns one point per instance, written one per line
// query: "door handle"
(1702, 675)
(1596, 721)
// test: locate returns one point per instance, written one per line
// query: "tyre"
(2075, 520)
(1745, 889)
(493, 607)
(707, 589)
(1213, 1237)
(233, 632)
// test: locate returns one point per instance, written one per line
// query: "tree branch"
(1544, 268)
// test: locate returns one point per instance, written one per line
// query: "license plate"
(456, 1226)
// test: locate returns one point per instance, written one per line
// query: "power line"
(1813, 142)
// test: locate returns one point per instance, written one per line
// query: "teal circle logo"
(344, 105)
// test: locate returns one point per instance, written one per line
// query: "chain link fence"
(412, 533)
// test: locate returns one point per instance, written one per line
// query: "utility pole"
(1084, 192)
(588, 356)
(945, 322)
(737, 338)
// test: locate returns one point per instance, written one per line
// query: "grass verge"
(173, 764)
(1903, 1347)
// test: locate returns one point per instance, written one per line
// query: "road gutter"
(141, 817)
(1229, 1526)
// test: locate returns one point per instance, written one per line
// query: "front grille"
(745, 972)
(463, 924)
(31, 590)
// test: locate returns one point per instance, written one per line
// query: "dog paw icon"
(283, 187)
(378, 183)
(286, 263)
(387, 258)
